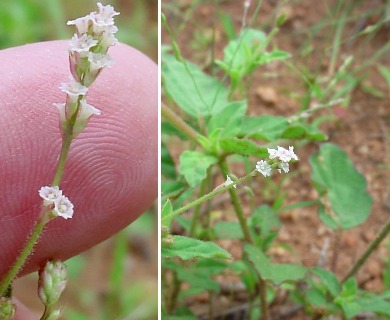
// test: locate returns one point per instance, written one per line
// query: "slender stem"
(336, 43)
(207, 196)
(373, 245)
(175, 292)
(62, 159)
(42, 220)
(237, 206)
(179, 124)
(40, 224)
(195, 215)
(248, 238)
(263, 299)
(46, 313)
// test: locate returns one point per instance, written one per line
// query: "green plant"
(207, 126)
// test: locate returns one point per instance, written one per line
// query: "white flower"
(99, 60)
(264, 168)
(82, 24)
(104, 16)
(73, 89)
(62, 205)
(82, 44)
(284, 166)
(63, 208)
(283, 154)
(108, 39)
(106, 11)
(61, 110)
(50, 194)
(228, 182)
(87, 110)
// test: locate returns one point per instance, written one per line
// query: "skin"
(111, 174)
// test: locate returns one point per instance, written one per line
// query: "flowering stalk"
(87, 58)
(52, 282)
(7, 309)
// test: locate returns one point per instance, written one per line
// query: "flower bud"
(52, 282)
(55, 315)
(7, 309)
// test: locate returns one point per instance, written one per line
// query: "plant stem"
(40, 224)
(62, 159)
(46, 313)
(207, 196)
(263, 299)
(373, 245)
(237, 205)
(179, 124)
(336, 42)
(195, 215)
(42, 220)
(175, 292)
(248, 238)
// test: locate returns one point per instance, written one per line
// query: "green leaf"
(335, 177)
(276, 273)
(242, 147)
(172, 188)
(371, 303)
(228, 230)
(329, 280)
(229, 119)
(198, 280)
(188, 248)
(303, 131)
(316, 298)
(168, 167)
(196, 93)
(243, 55)
(267, 128)
(265, 219)
(385, 72)
(347, 298)
(194, 165)
(166, 213)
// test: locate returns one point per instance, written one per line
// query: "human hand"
(111, 174)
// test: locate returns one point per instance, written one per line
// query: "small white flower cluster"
(87, 58)
(278, 159)
(53, 196)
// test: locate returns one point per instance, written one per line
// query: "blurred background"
(116, 279)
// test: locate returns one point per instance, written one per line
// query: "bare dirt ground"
(362, 130)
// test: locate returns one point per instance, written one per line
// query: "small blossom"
(50, 195)
(283, 154)
(99, 61)
(264, 168)
(105, 15)
(81, 24)
(87, 110)
(106, 11)
(82, 44)
(73, 89)
(283, 166)
(228, 182)
(63, 208)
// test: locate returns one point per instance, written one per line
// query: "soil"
(362, 129)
